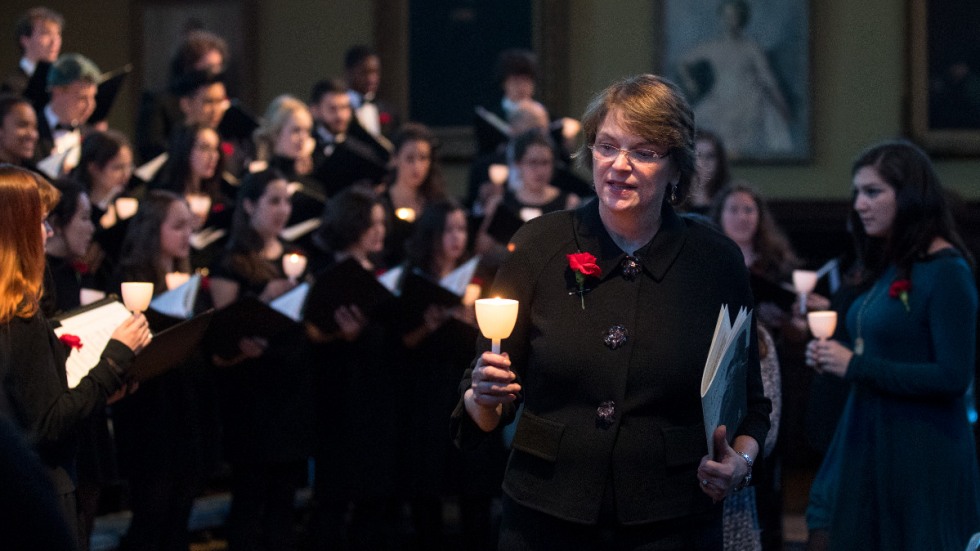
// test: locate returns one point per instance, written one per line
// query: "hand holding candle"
(293, 265)
(136, 295)
(496, 317)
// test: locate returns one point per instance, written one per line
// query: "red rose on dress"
(72, 341)
(900, 289)
(80, 267)
(583, 265)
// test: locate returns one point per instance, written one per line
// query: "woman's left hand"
(719, 476)
(828, 357)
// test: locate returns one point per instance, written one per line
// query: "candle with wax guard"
(176, 279)
(137, 295)
(822, 323)
(496, 318)
(126, 207)
(406, 214)
(293, 265)
(804, 281)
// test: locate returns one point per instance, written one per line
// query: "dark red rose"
(227, 149)
(71, 341)
(384, 117)
(217, 208)
(80, 267)
(584, 263)
(899, 286)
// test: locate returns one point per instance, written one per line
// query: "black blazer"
(35, 388)
(565, 450)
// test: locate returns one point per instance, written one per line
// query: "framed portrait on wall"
(745, 67)
(944, 59)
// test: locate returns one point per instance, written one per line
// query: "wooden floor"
(210, 512)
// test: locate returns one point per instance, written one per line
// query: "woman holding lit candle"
(104, 169)
(267, 389)
(436, 347)
(415, 181)
(166, 431)
(618, 301)
(910, 358)
(193, 170)
(35, 391)
(356, 454)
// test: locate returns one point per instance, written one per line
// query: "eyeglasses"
(609, 152)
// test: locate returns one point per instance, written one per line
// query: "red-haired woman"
(34, 389)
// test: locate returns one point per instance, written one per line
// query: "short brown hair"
(25, 25)
(655, 109)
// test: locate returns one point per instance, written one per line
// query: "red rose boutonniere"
(900, 289)
(71, 341)
(227, 149)
(384, 117)
(583, 265)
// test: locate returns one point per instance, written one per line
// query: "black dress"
(266, 412)
(36, 396)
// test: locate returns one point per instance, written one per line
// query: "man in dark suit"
(363, 70)
(72, 82)
(39, 36)
(345, 153)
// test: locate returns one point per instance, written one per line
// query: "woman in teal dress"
(901, 472)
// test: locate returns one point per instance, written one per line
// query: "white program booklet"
(723, 398)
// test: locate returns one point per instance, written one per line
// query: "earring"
(673, 193)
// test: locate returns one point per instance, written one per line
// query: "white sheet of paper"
(94, 328)
(457, 280)
(294, 232)
(179, 302)
(291, 303)
(205, 237)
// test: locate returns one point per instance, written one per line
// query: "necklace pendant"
(859, 346)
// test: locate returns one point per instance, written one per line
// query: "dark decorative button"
(605, 414)
(615, 337)
(631, 267)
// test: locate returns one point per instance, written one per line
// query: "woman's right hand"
(134, 332)
(491, 386)
(492, 381)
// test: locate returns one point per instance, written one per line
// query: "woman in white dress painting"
(741, 100)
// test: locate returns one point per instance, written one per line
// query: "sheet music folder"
(504, 224)
(766, 290)
(344, 284)
(246, 317)
(168, 349)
